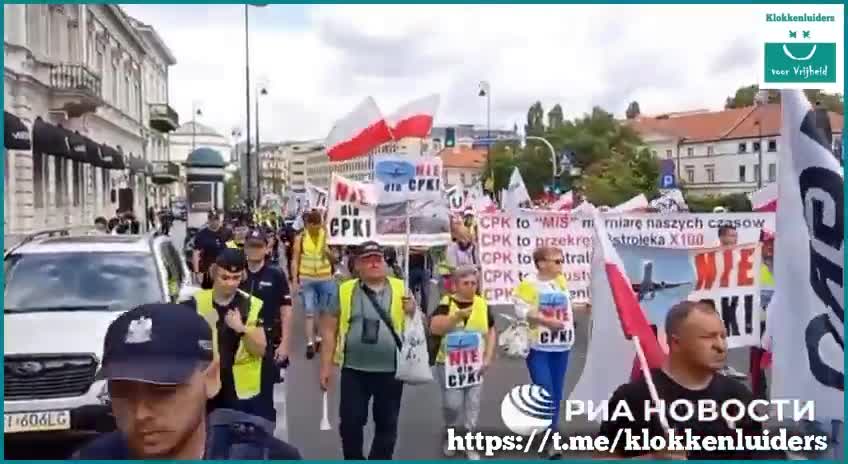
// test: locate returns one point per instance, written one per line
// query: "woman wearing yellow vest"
(312, 274)
(543, 301)
(458, 315)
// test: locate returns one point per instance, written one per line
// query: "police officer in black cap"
(235, 317)
(268, 283)
(208, 242)
(162, 370)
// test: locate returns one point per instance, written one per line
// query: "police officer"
(161, 370)
(208, 242)
(268, 283)
(239, 337)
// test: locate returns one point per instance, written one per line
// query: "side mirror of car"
(186, 292)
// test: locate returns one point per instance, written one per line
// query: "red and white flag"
(415, 119)
(616, 319)
(362, 130)
(764, 199)
(805, 315)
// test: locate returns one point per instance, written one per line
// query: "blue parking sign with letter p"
(667, 181)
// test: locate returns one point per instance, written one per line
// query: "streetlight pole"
(759, 154)
(249, 195)
(259, 92)
(195, 111)
(553, 154)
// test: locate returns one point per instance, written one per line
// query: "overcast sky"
(320, 60)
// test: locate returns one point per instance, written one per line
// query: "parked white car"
(61, 293)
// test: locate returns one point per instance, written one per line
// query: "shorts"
(317, 295)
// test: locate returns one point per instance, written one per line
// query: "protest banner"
(316, 197)
(728, 277)
(404, 178)
(463, 359)
(351, 217)
(506, 242)
(455, 197)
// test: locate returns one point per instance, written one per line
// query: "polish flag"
(563, 203)
(362, 130)
(415, 119)
(614, 331)
(765, 199)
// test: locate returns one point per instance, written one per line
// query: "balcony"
(74, 89)
(164, 172)
(163, 118)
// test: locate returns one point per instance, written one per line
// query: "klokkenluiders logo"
(803, 55)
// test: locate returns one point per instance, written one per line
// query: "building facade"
(722, 152)
(462, 165)
(273, 170)
(80, 75)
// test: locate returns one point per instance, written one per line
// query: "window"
(710, 151)
(742, 173)
(690, 151)
(77, 182)
(61, 176)
(743, 147)
(37, 28)
(668, 154)
(104, 180)
(114, 79)
(756, 147)
(756, 173)
(127, 108)
(772, 145)
(690, 174)
(772, 172)
(38, 179)
(710, 168)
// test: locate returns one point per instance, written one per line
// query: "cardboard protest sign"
(463, 359)
(728, 277)
(402, 178)
(506, 242)
(556, 305)
(351, 216)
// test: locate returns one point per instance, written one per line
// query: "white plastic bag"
(515, 339)
(413, 361)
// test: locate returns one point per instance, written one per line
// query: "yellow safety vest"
(477, 322)
(528, 293)
(345, 310)
(247, 367)
(766, 278)
(442, 267)
(232, 244)
(313, 263)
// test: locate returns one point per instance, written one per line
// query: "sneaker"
(318, 345)
(447, 451)
(310, 351)
(472, 455)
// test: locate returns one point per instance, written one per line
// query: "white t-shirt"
(555, 302)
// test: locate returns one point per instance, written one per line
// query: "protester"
(727, 235)
(238, 333)
(756, 369)
(100, 225)
(697, 351)
(360, 336)
(268, 283)
(208, 242)
(464, 310)
(544, 301)
(419, 274)
(312, 276)
(161, 370)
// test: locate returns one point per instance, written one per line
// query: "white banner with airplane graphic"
(506, 241)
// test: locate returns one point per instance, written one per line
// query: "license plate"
(37, 421)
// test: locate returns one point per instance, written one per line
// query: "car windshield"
(79, 281)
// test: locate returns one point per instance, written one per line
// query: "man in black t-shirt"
(208, 242)
(697, 351)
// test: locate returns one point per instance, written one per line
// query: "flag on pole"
(515, 193)
(359, 132)
(414, 119)
(805, 317)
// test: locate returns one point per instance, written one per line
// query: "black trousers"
(356, 390)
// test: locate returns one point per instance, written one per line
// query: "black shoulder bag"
(382, 313)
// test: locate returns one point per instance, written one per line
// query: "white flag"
(805, 317)
(515, 193)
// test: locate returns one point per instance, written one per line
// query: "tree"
(633, 110)
(535, 120)
(734, 202)
(745, 96)
(555, 117)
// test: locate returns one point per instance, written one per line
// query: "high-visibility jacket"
(313, 263)
(247, 367)
(478, 321)
(346, 309)
(766, 278)
(232, 244)
(527, 292)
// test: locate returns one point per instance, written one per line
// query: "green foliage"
(633, 110)
(745, 96)
(535, 120)
(734, 202)
(555, 117)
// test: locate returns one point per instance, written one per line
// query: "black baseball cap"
(231, 260)
(159, 343)
(256, 235)
(369, 248)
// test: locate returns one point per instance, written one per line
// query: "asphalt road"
(421, 428)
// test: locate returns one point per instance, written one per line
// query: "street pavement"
(421, 429)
